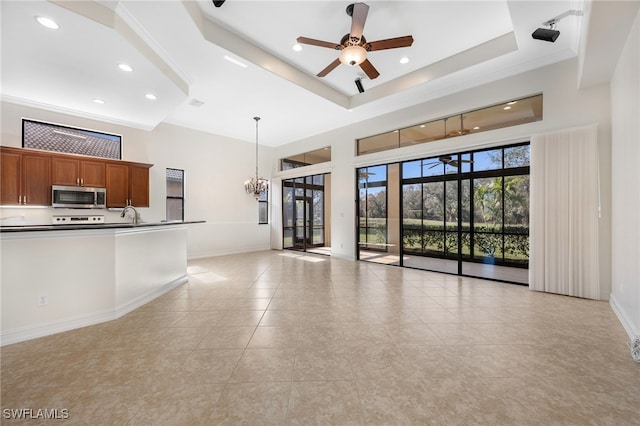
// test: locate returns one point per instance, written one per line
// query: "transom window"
(70, 140)
(506, 114)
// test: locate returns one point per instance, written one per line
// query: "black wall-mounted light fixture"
(551, 34)
(546, 34)
(359, 85)
(218, 3)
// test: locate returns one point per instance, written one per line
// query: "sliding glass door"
(433, 205)
(303, 212)
(463, 213)
(379, 213)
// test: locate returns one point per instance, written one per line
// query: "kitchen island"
(61, 277)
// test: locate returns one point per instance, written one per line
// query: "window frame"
(64, 130)
(173, 197)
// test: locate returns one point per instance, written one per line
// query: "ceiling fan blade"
(389, 43)
(369, 69)
(329, 68)
(358, 18)
(453, 163)
(435, 165)
(314, 42)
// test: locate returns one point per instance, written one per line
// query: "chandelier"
(257, 185)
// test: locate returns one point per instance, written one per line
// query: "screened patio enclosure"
(462, 213)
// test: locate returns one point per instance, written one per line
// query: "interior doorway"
(306, 214)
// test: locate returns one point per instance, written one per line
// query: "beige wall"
(215, 170)
(564, 107)
(625, 184)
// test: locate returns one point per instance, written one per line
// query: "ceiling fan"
(447, 160)
(459, 132)
(365, 175)
(354, 47)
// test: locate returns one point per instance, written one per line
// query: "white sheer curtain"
(564, 213)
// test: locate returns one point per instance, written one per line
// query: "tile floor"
(281, 338)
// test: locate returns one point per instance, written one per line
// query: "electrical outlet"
(43, 299)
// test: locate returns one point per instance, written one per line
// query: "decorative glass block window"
(175, 195)
(70, 140)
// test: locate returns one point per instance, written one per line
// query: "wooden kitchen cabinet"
(117, 185)
(75, 172)
(11, 175)
(139, 185)
(93, 174)
(26, 178)
(36, 180)
(128, 184)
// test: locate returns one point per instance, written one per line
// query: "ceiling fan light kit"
(353, 55)
(354, 47)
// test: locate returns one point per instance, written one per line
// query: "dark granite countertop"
(75, 227)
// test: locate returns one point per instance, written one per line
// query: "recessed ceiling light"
(506, 108)
(476, 128)
(47, 22)
(151, 96)
(297, 47)
(512, 102)
(235, 61)
(125, 67)
(98, 100)
(423, 126)
(404, 60)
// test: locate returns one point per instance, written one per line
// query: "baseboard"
(66, 324)
(132, 305)
(217, 253)
(343, 256)
(53, 327)
(626, 322)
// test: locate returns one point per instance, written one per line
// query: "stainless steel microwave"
(78, 197)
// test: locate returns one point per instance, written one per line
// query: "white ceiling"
(177, 50)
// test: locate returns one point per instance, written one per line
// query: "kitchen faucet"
(135, 213)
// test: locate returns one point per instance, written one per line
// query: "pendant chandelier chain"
(256, 186)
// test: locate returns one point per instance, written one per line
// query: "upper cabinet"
(27, 176)
(11, 175)
(128, 185)
(75, 172)
(117, 185)
(139, 185)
